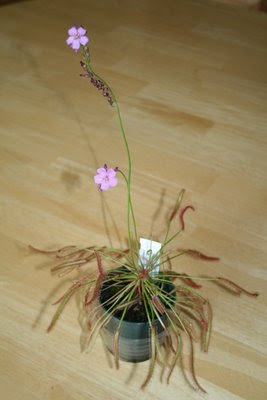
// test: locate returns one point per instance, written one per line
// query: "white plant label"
(149, 250)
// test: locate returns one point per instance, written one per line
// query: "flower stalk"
(107, 91)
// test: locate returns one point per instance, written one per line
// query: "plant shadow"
(71, 179)
(48, 301)
(9, 2)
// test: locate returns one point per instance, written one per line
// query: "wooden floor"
(191, 80)
(254, 5)
(251, 4)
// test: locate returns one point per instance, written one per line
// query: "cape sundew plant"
(121, 284)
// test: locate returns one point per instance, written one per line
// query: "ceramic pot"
(134, 342)
(134, 337)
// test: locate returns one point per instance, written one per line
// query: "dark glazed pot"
(134, 337)
(134, 341)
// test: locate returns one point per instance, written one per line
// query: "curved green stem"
(170, 239)
(132, 212)
(86, 60)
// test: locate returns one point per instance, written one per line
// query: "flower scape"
(118, 286)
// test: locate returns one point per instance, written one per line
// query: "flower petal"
(101, 171)
(111, 173)
(84, 40)
(69, 41)
(81, 31)
(73, 31)
(104, 185)
(113, 182)
(98, 179)
(75, 44)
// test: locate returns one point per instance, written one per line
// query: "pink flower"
(77, 37)
(105, 178)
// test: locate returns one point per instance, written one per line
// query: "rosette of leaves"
(169, 297)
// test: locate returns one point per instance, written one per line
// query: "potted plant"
(134, 297)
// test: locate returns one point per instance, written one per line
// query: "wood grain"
(252, 4)
(191, 80)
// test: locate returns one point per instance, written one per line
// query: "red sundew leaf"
(60, 299)
(184, 371)
(204, 324)
(101, 270)
(198, 254)
(184, 277)
(76, 285)
(169, 342)
(67, 251)
(96, 290)
(192, 365)
(90, 257)
(59, 310)
(78, 254)
(86, 296)
(233, 286)
(63, 252)
(157, 303)
(89, 325)
(69, 264)
(207, 326)
(186, 318)
(62, 303)
(139, 290)
(181, 215)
